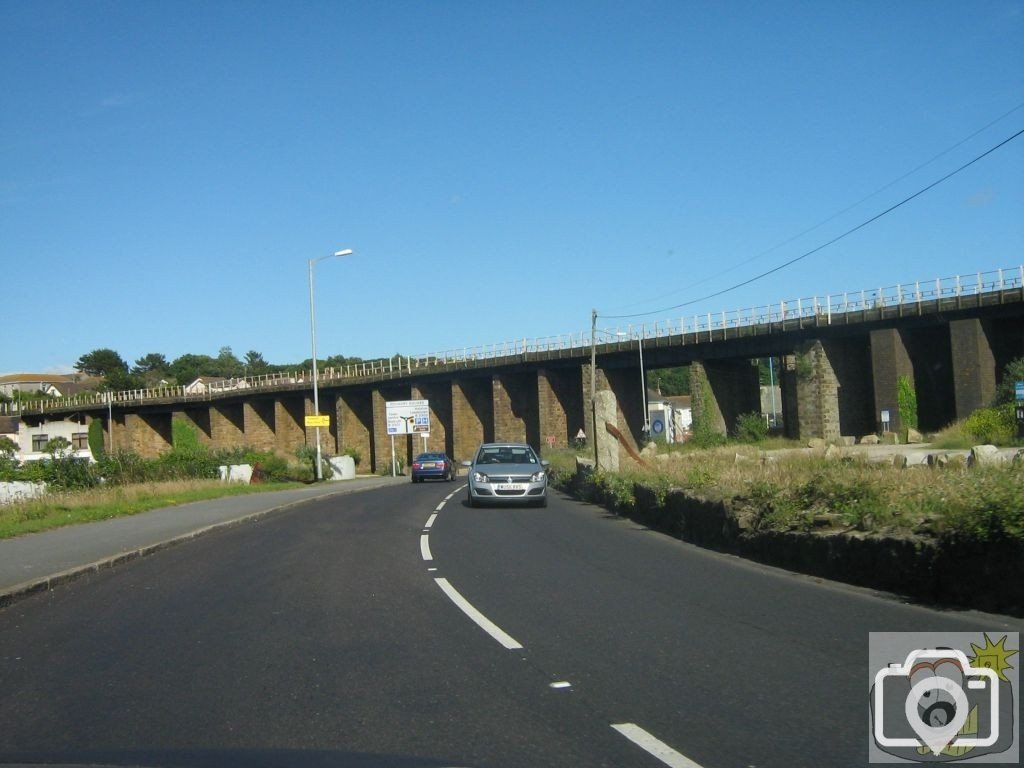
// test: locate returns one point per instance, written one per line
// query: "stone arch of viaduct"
(836, 377)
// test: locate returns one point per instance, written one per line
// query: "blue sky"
(500, 168)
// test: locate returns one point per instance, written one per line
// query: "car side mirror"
(467, 463)
(545, 463)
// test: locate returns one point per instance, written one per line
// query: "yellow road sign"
(318, 421)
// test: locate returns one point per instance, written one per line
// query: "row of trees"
(152, 369)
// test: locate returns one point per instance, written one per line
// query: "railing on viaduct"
(939, 294)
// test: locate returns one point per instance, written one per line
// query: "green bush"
(184, 436)
(355, 453)
(1012, 373)
(906, 403)
(992, 425)
(96, 445)
(750, 427)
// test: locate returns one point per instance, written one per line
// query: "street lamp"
(312, 333)
(643, 383)
(593, 381)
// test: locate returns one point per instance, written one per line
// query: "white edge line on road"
(425, 547)
(488, 626)
(653, 746)
(439, 507)
(430, 520)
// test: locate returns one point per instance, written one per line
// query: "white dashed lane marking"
(482, 621)
(654, 746)
(647, 742)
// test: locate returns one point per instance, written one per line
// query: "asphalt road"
(327, 635)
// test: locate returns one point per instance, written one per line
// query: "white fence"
(824, 308)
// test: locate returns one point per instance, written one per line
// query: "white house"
(32, 440)
(671, 418)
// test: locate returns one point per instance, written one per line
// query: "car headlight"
(537, 476)
(480, 477)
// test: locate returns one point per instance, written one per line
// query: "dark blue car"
(435, 466)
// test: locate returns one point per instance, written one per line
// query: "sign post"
(407, 417)
(1018, 392)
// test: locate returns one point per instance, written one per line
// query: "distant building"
(32, 440)
(671, 418)
(206, 384)
(30, 383)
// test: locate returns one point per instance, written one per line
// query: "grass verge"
(70, 508)
(801, 492)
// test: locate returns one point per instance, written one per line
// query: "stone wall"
(946, 570)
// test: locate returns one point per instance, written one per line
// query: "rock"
(890, 438)
(741, 459)
(913, 436)
(834, 452)
(649, 451)
(584, 467)
(899, 461)
(344, 467)
(847, 440)
(816, 443)
(869, 440)
(984, 455)
(236, 473)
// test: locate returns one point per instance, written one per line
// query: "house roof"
(36, 378)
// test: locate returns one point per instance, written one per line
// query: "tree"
(101, 362)
(227, 365)
(670, 381)
(255, 364)
(151, 369)
(154, 362)
(1012, 373)
(188, 368)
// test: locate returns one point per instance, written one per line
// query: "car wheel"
(541, 503)
(470, 499)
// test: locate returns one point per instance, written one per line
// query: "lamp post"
(643, 387)
(593, 381)
(312, 333)
(646, 428)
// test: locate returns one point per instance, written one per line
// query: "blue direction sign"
(1018, 389)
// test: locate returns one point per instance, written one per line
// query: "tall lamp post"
(312, 333)
(646, 428)
(593, 381)
(643, 387)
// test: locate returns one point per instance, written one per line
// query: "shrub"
(8, 460)
(750, 427)
(1012, 373)
(992, 425)
(96, 444)
(183, 435)
(355, 453)
(906, 403)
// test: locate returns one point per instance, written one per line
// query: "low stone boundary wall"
(20, 491)
(944, 570)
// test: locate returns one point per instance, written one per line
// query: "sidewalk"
(37, 562)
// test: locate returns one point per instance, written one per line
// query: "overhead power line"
(821, 247)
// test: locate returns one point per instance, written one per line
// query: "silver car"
(507, 473)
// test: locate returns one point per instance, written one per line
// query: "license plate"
(511, 486)
(429, 465)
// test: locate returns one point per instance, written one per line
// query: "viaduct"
(840, 358)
